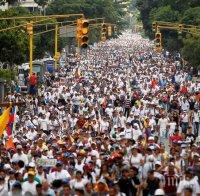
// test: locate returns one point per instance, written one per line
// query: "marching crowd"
(123, 120)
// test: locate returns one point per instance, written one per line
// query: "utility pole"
(30, 32)
(56, 46)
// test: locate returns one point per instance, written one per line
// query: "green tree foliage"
(13, 43)
(42, 3)
(179, 11)
(7, 74)
(192, 16)
(10, 2)
(191, 50)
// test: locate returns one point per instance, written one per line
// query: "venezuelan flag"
(4, 119)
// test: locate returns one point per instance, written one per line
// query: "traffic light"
(158, 42)
(82, 32)
(109, 31)
(115, 29)
(154, 26)
(103, 32)
(29, 28)
(180, 28)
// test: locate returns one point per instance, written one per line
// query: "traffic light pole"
(56, 45)
(31, 53)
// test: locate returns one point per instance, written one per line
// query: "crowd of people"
(123, 120)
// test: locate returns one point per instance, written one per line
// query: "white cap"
(151, 138)
(7, 166)
(31, 164)
(159, 192)
(158, 163)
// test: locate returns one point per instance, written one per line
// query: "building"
(4, 7)
(29, 4)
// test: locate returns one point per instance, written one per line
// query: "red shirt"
(171, 183)
(33, 80)
(175, 138)
(183, 89)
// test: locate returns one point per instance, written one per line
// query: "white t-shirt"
(58, 175)
(74, 184)
(193, 184)
(135, 160)
(128, 133)
(29, 187)
(20, 157)
(163, 123)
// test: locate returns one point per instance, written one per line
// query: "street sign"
(67, 31)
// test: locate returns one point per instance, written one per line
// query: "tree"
(43, 4)
(13, 43)
(191, 50)
(10, 2)
(192, 16)
(179, 11)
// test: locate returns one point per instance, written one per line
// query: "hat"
(101, 181)
(19, 147)
(135, 146)
(31, 172)
(151, 138)
(31, 164)
(158, 163)
(15, 140)
(159, 192)
(7, 166)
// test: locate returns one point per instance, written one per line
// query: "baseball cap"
(158, 163)
(31, 164)
(31, 172)
(19, 147)
(159, 192)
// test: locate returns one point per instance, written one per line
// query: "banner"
(46, 162)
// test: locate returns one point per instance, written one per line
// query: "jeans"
(184, 126)
(75, 108)
(196, 128)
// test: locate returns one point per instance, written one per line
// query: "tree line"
(181, 11)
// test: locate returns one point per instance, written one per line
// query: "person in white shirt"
(30, 185)
(184, 121)
(59, 174)
(104, 125)
(19, 155)
(136, 131)
(128, 131)
(31, 133)
(43, 123)
(136, 159)
(185, 104)
(189, 182)
(79, 182)
(162, 122)
(195, 120)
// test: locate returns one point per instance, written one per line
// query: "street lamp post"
(30, 32)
